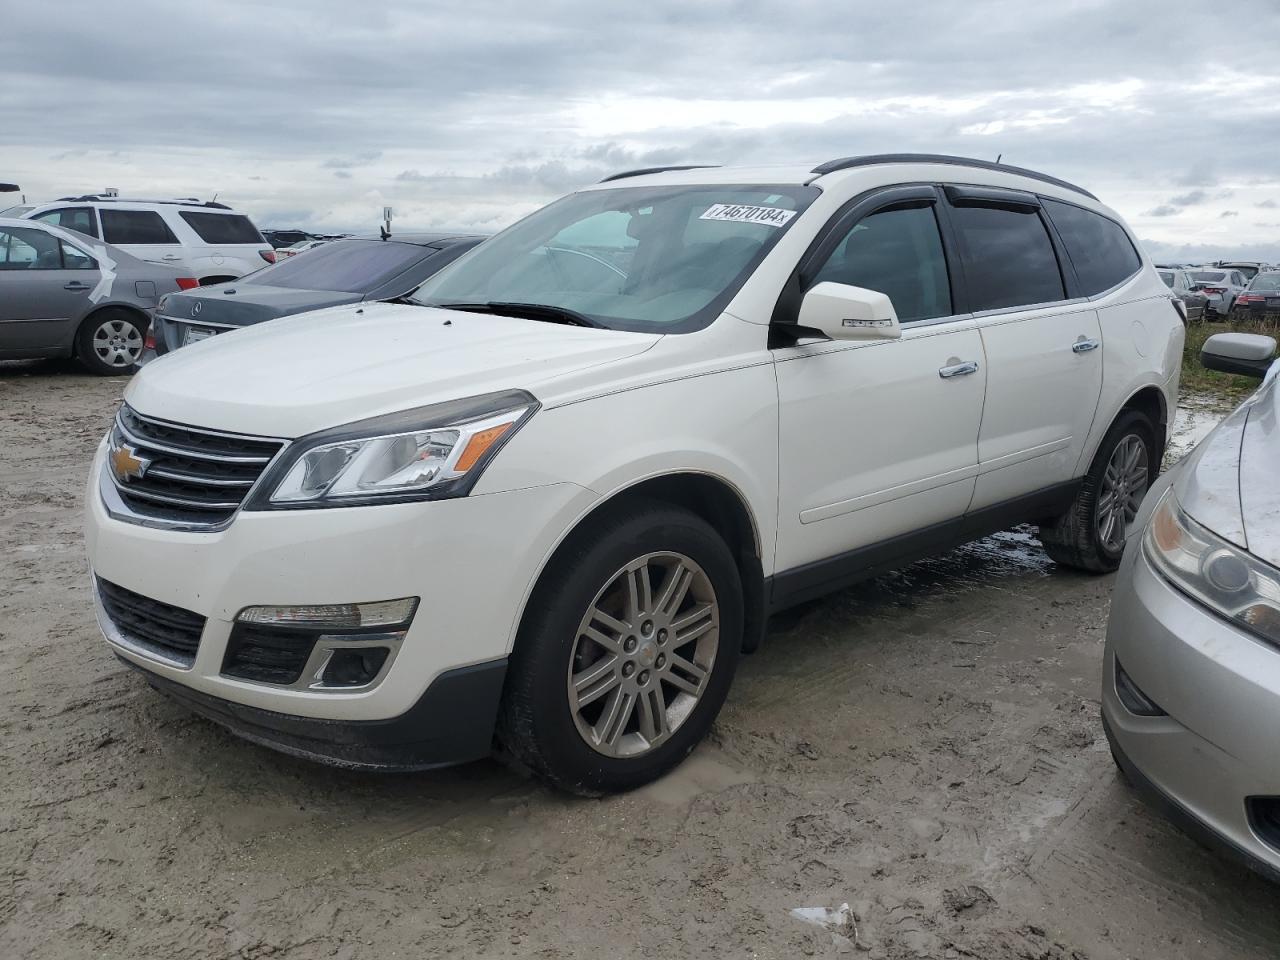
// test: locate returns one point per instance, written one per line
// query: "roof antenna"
(215, 193)
(998, 156)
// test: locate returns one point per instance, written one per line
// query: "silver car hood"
(1230, 483)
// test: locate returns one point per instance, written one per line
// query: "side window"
(27, 249)
(1099, 248)
(79, 219)
(897, 252)
(74, 259)
(1237, 280)
(1009, 258)
(135, 226)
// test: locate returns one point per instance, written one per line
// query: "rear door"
(45, 285)
(1044, 362)
(142, 233)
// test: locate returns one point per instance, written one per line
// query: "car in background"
(208, 241)
(1222, 286)
(1246, 268)
(1261, 299)
(342, 271)
(302, 246)
(1191, 671)
(63, 294)
(284, 238)
(1194, 302)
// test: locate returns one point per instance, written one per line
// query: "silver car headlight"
(424, 454)
(1228, 580)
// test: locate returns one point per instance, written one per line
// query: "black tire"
(1073, 539)
(131, 326)
(537, 725)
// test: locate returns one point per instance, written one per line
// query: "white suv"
(208, 241)
(556, 495)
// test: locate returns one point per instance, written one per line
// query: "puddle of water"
(1196, 416)
(835, 921)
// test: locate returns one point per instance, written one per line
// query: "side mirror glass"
(843, 312)
(1248, 354)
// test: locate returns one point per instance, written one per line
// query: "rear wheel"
(110, 343)
(1091, 534)
(626, 653)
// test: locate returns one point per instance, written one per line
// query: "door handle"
(76, 285)
(1084, 345)
(170, 256)
(958, 369)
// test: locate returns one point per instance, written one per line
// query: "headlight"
(428, 453)
(1228, 580)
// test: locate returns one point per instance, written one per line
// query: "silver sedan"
(1191, 681)
(64, 294)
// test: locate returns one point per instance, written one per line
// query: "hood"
(1260, 474)
(1229, 482)
(304, 373)
(244, 304)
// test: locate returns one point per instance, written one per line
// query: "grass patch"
(1196, 379)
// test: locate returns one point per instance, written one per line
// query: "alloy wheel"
(643, 654)
(1124, 483)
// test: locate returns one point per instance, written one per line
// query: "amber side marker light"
(478, 445)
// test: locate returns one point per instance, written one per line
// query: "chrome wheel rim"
(117, 343)
(1124, 483)
(643, 654)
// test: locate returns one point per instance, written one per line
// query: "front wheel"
(626, 652)
(1091, 534)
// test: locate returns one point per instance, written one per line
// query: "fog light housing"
(324, 647)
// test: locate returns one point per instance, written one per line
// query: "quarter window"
(135, 226)
(1009, 258)
(1099, 248)
(222, 227)
(897, 252)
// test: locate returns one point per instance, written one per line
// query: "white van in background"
(208, 241)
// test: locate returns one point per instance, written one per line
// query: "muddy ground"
(925, 748)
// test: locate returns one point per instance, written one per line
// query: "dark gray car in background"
(64, 294)
(343, 271)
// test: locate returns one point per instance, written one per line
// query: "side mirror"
(1248, 354)
(844, 312)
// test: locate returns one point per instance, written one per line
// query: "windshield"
(1268, 282)
(346, 266)
(1167, 277)
(17, 212)
(650, 259)
(1208, 276)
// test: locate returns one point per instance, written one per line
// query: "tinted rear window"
(1208, 276)
(1269, 282)
(1099, 248)
(222, 227)
(1167, 277)
(347, 266)
(1009, 259)
(135, 226)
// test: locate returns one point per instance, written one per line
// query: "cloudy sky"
(317, 113)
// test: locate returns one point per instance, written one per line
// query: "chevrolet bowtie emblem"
(126, 464)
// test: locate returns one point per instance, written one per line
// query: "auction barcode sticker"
(738, 213)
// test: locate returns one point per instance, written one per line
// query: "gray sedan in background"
(63, 294)
(1191, 671)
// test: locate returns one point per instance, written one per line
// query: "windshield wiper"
(528, 311)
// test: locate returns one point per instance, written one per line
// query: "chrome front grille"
(189, 475)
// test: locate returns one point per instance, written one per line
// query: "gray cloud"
(457, 123)
(1228, 213)
(1189, 199)
(1268, 204)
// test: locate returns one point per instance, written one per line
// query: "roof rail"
(643, 170)
(182, 201)
(846, 163)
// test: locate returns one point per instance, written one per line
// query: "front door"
(879, 439)
(45, 284)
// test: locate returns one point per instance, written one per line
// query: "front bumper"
(1214, 750)
(471, 562)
